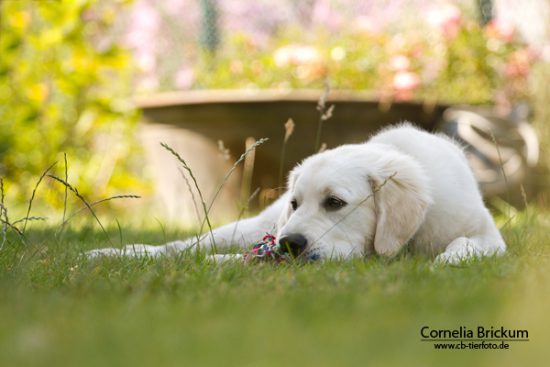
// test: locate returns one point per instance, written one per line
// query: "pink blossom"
(544, 53)
(258, 19)
(366, 25)
(501, 29)
(324, 15)
(146, 61)
(184, 78)
(144, 25)
(296, 55)
(519, 64)
(174, 6)
(447, 19)
(236, 66)
(148, 83)
(400, 63)
(404, 84)
(338, 53)
(406, 80)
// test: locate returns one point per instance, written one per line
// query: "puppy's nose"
(295, 243)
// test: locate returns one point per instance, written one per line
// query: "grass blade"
(66, 189)
(95, 203)
(34, 193)
(188, 169)
(289, 130)
(228, 174)
(4, 213)
(29, 218)
(79, 196)
(193, 198)
(325, 113)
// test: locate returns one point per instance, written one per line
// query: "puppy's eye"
(294, 204)
(333, 203)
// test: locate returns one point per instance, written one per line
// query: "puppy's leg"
(464, 248)
(243, 233)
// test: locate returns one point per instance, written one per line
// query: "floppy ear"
(287, 210)
(401, 196)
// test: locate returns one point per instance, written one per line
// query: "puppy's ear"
(287, 209)
(401, 196)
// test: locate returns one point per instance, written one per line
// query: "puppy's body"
(402, 186)
(457, 215)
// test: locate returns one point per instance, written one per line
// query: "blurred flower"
(325, 16)
(365, 24)
(224, 152)
(359, 36)
(338, 53)
(404, 84)
(518, 64)
(544, 53)
(173, 6)
(400, 63)
(144, 25)
(405, 80)
(296, 55)
(289, 129)
(184, 78)
(148, 83)
(309, 72)
(307, 60)
(257, 67)
(38, 92)
(258, 19)
(432, 69)
(236, 66)
(500, 29)
(142, 36)
(146, 61)
(446, 18)
(398, 42)
(20, 20)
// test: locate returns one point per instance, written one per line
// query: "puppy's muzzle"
(294, 243)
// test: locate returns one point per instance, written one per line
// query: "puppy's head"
(351, 201)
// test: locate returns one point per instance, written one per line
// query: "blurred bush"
(63, 83)
(399, 49)
(65, 79)
(452, 58)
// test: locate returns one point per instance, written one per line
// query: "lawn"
(59, 309)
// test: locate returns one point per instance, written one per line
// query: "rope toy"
(267, 250)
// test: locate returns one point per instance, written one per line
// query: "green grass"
(58, 309)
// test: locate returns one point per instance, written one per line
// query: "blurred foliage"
(62, 86)
(460, 61)
(539, 82)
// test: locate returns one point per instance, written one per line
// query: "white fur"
(403, 186)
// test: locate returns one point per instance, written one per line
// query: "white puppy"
(402, 187)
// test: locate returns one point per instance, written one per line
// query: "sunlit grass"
(57, 308)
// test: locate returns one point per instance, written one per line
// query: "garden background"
(70, 75)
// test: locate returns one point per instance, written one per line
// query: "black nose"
(294, 243)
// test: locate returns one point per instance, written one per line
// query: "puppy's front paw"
(222, 258)
(129, 250)
(459, 250)
(451, 257)
(101, 252)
